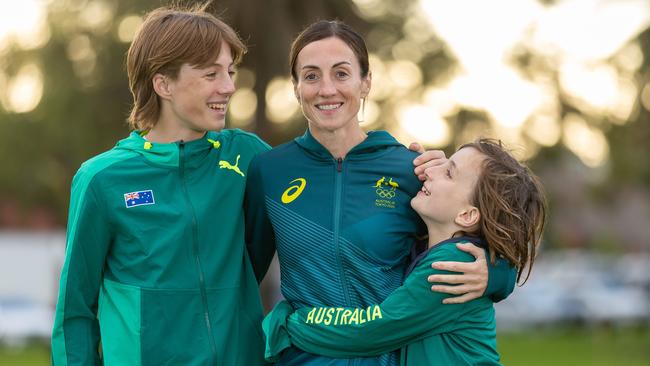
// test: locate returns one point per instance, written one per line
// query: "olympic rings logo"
(385, 193)
(293, 191)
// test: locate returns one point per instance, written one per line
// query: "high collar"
(168, 154)
(375, 143)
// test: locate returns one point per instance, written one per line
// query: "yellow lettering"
(319, 316)
(376, 312)
(345, 315)
(329, 316)
(361, 318)
(355, 316)
(310, 316)
(338, 312)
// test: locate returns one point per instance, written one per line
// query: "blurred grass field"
(566, 346)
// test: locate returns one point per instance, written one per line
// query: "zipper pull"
(339, 165)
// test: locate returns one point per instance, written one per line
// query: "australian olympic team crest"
(386, 190)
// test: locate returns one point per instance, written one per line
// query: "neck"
(339, 142)
(439, 232)
(167, 133)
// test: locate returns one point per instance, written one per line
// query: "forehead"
(223, 59)
(468, 161)
(326, 52)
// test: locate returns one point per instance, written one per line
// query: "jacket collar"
(375, 143)
(168, 154)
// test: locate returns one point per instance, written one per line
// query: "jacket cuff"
(275, 330)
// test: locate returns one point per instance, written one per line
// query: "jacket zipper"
(337, 221)
(195, 249)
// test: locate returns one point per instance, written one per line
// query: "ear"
(365, 85)
(468, 217)
(161, 86)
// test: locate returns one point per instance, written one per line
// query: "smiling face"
(196, 100)
(446, 195)
(329, 85)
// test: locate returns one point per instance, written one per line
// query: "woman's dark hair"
(325, 29)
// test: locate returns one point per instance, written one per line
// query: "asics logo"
(291, 193)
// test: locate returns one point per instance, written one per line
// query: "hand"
(471, 284)
(426, 159)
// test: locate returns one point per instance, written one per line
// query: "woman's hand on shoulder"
(426, 159)
(471, 281)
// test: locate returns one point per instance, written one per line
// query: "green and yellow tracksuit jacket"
(412, 317)
(156, 265)
(344, 228)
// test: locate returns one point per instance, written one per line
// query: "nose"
(226, 86)
(327, 87)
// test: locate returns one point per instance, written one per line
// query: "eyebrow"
(335, 65)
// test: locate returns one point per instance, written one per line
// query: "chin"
(414, 203)
(217, 126)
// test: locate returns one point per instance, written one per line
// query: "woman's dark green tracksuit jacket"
(344, 229)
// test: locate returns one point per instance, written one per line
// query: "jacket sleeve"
(260, 239)
(75, 336)
(501, 279)
(410, 313)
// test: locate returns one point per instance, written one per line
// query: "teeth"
(217, 106)
(329, 106)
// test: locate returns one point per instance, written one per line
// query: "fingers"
(472, 249)
(414, 146)
(426, 156)
(427, 160)
(467, 292)
(461, 299)
(456, 279)
(462, 267)
(455, 290)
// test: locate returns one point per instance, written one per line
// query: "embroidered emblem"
(139, 198)
(291, 193)
(386, 192)
(223, 164)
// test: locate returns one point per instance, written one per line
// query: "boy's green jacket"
(412, 318)
(156, 265)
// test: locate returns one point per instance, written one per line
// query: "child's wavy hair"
(512, 204)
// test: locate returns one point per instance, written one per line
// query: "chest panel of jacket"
(343, 230)
(150, 240)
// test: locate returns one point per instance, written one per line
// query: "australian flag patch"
(139, 198)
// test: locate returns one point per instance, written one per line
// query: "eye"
(211, 75)
(341, 74)
(232, 73)
(310, 76)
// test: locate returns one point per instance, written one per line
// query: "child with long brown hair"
(480, 195)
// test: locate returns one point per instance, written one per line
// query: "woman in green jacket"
(338, 197)
(481, 195)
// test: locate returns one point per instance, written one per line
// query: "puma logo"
(223, 164)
